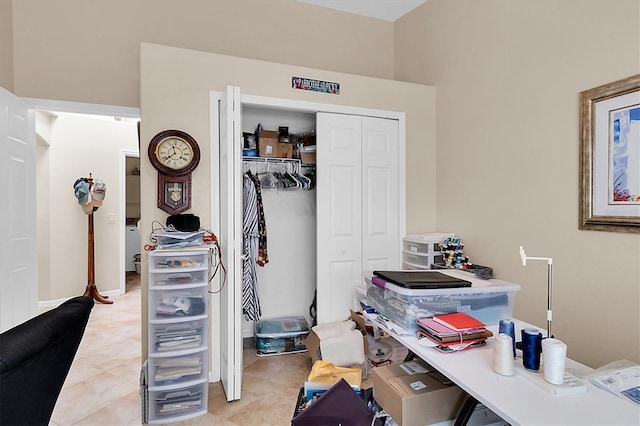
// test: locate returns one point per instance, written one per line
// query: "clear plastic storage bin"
(177, 261)
(178, 404)
(182, 369)
(180, 278)
(275, 336)
(486, 300)
(177, 336)
(175, 303)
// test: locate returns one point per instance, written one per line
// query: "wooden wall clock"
(174, 154)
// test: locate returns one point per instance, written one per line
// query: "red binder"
(458, 321)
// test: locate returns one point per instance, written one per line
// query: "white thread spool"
(554, 354)
(503, 355)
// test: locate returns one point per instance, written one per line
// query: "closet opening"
(286, 272)
(318, 241)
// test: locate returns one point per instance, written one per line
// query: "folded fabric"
(340, 343)
(324, 372)
(332, 329)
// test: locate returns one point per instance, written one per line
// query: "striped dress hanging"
(250, 301)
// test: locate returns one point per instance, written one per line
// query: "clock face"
(174, 153)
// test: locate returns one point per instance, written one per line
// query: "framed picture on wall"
(610, 157)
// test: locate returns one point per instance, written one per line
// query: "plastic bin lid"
(478, 286)
(281, 326)
(434, 237)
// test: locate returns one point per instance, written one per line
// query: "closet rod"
(270, 160)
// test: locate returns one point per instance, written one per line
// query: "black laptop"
(421, 279)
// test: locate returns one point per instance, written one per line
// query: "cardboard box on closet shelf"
(268, 143)
(414, 393)
(308, 154)
(285, 150)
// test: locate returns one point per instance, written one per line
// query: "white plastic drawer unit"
(178, 318)
(178, 336)
(424, 243)
(172, 261)
(176, 303)
(176, 268)
(187, 369)
(180, 278)
(421, 261)
(178, 404)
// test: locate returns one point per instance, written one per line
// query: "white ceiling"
(388, 10)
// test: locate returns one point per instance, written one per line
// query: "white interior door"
(380, 194)
(339, 213)
(18, 250)
(231, 242)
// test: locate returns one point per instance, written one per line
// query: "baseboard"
(57, 302)
(248, 343)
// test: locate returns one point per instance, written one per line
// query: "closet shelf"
(271, 160)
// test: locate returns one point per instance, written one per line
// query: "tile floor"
(102, 387)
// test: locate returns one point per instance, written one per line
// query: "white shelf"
(270, 160)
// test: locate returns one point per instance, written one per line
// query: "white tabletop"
(517, 400)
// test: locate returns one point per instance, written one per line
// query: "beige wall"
(80, 145)
(508, 74)
(6, 44)
(83, 51)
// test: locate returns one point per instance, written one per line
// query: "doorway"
(76, 140)
(132, 235)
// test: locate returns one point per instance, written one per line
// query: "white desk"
(515, 399)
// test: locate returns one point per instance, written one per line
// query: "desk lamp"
(549, 260)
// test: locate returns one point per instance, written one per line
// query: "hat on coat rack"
(98, 191)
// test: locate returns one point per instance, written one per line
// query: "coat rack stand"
(92, 290)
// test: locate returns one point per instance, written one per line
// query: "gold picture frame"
(610, 157)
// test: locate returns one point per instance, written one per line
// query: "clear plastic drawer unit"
(178, 317)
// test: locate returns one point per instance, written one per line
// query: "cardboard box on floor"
(394, 351)
(416, 399)
(313, 341)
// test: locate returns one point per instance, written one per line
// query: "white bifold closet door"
(357, 206)
(231, 243)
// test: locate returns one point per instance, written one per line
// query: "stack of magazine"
(453, 332)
